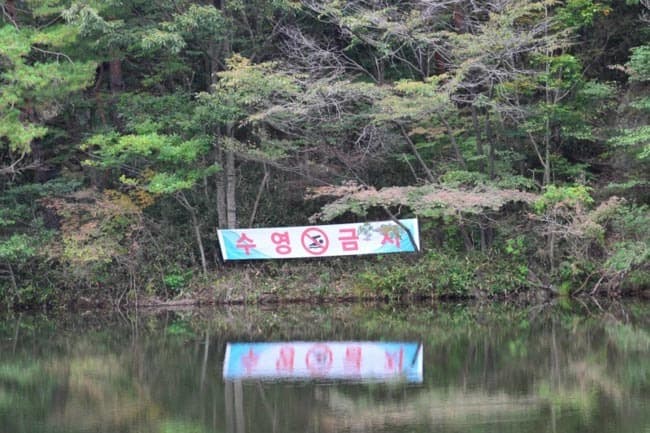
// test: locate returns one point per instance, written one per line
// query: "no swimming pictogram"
(314, 241)
(319, 359)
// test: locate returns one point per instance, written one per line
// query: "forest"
(516, 131)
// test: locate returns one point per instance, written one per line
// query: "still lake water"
(487, 368)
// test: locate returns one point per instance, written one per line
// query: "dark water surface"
(487, 368)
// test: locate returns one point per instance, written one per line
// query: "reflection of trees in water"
(427, 408)
(483, 364)
(98, 391)
(530, 371)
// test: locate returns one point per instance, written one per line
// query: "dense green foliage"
(517, 131)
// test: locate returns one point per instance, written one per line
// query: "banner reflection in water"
(353, 360)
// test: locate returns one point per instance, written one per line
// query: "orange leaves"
(425, 201)
(96, 227)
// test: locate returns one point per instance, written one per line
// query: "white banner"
(352, 360)
(320, 241)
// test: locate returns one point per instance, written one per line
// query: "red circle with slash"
(319, 359)
(315, 241)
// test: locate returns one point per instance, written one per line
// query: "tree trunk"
(260, 191)
(231, 189)
(551, 251)
(380, 69)
(479, 140)
(14, 285)
(228, 391)
(229, 179)
(115, 73)
(199, 242)
(204, 366)
(484, 239)
(99, 101)
(423, 164)
(116, 82)
(459, 20)
(488, 138)
(196, 227)
(547, 153)
(454, 143)
(467, 240)
(547, 123)
(441, 65)
(219, 153)
(240, 426)
(221, 186)
(10, 11)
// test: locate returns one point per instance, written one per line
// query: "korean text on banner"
(340, 360)
(320, 241)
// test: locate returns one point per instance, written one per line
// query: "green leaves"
(35, 80)
(22, 232)
(463, 105)
(581, 13)
(19, 135)
(639, 64)
(88, 20)
(14, 44)
(17, 247)
(52, 81)
(167, 183)
(412, 100)
(201, 23)
(631, 224)
(628, 255)
(161, 40)
(636, 139)
(563, 71)
(57, 36)
(115, 149)
(244, 89)
(567, 196)
(163, 162)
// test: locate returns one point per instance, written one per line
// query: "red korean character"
(390, 240)
(394, 360)
(352, 359)
(285, 360)
(349, 239)
(245, 243)
(282, 241)
(250, 361)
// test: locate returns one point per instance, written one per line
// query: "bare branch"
(55, 53)
(15, 168)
